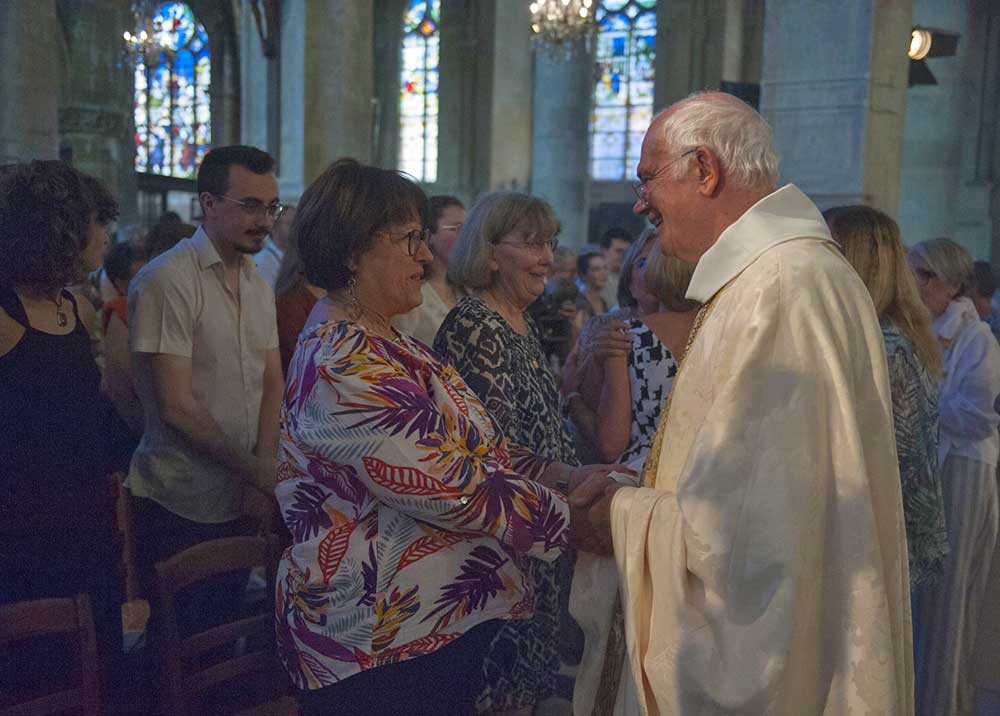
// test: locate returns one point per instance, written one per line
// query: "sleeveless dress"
(58, 534)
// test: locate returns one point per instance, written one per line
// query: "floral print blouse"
(915, 416)
(413, 520)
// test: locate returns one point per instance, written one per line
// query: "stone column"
(255, 85)
(486, 98)
(833, 88)
(326, 87)
(560, 153)
(30, 59)
(95, 118)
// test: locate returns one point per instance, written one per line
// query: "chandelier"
(562, 27)
(149, 36)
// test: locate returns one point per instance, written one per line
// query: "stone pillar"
(255, 80)
(833, 88)
(486, 95)
(30, 59)
(511, 98)
(560, 171)
(95, 118)
(326, 87)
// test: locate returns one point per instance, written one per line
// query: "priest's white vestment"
(764, 571)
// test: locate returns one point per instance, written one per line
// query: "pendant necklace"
(61, 319)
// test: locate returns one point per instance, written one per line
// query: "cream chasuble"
(765, 572)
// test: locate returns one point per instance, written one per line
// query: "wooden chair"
(39, 618)
(251, 664)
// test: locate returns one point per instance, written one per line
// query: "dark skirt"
(444, 682)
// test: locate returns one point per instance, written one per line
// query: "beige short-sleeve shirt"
(179, 304)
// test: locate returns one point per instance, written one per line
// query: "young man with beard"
(204, 346)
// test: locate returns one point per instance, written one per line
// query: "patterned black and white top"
(509, 374)
(651, 371)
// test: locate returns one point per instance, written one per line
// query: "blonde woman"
(615, 395)
(871, 243)
(948, 613)
(625, 371)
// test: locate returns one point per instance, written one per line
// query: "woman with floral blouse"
(414, 520)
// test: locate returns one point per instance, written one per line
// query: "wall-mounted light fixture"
(928, 42)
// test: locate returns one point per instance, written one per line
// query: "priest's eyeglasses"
(641, 188)
(413, 239)
(256, 209)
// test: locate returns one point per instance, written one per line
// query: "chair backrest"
(23, 622)
(189, 682)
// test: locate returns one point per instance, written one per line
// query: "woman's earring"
(352, 292)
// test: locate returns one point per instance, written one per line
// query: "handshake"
(592, 487)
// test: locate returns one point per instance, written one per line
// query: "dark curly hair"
(45, 212)
(342, 211)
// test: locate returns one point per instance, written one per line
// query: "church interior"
(470, 102)
(894, 104)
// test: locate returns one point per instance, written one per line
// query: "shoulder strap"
(11, 303)
(72, 299)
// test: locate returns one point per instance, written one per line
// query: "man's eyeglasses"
(256, 209)
(413, 239)
(639, 187)
(535, 247)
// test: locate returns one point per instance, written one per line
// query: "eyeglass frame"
(450, 227)
(256, 208)
(413, 239)
(639, 187)
(534, 247)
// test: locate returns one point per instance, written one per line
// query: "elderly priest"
(762, 562)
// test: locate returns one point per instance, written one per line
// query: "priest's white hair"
(731, 129)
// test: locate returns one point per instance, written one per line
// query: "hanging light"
(562, 27)
(142, 40)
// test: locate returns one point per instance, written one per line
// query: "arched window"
(172, 114)
(623, 90)
(418, 90)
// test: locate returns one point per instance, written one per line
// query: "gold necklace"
(369, 319)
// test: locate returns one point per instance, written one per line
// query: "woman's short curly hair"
(340, 214)
(45, 212)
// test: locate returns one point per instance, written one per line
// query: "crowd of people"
(744, 462)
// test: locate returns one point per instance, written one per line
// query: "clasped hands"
(590, 495)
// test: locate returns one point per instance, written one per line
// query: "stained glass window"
(172, 115)
(623, 90)
(418, 90)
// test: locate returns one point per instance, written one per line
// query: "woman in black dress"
(57, 535)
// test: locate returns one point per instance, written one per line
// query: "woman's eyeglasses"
(413, 239)
(535, 247)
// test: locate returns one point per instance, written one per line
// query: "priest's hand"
(582, 474)
(590, 514)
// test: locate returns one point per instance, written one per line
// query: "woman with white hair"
(948, 612)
